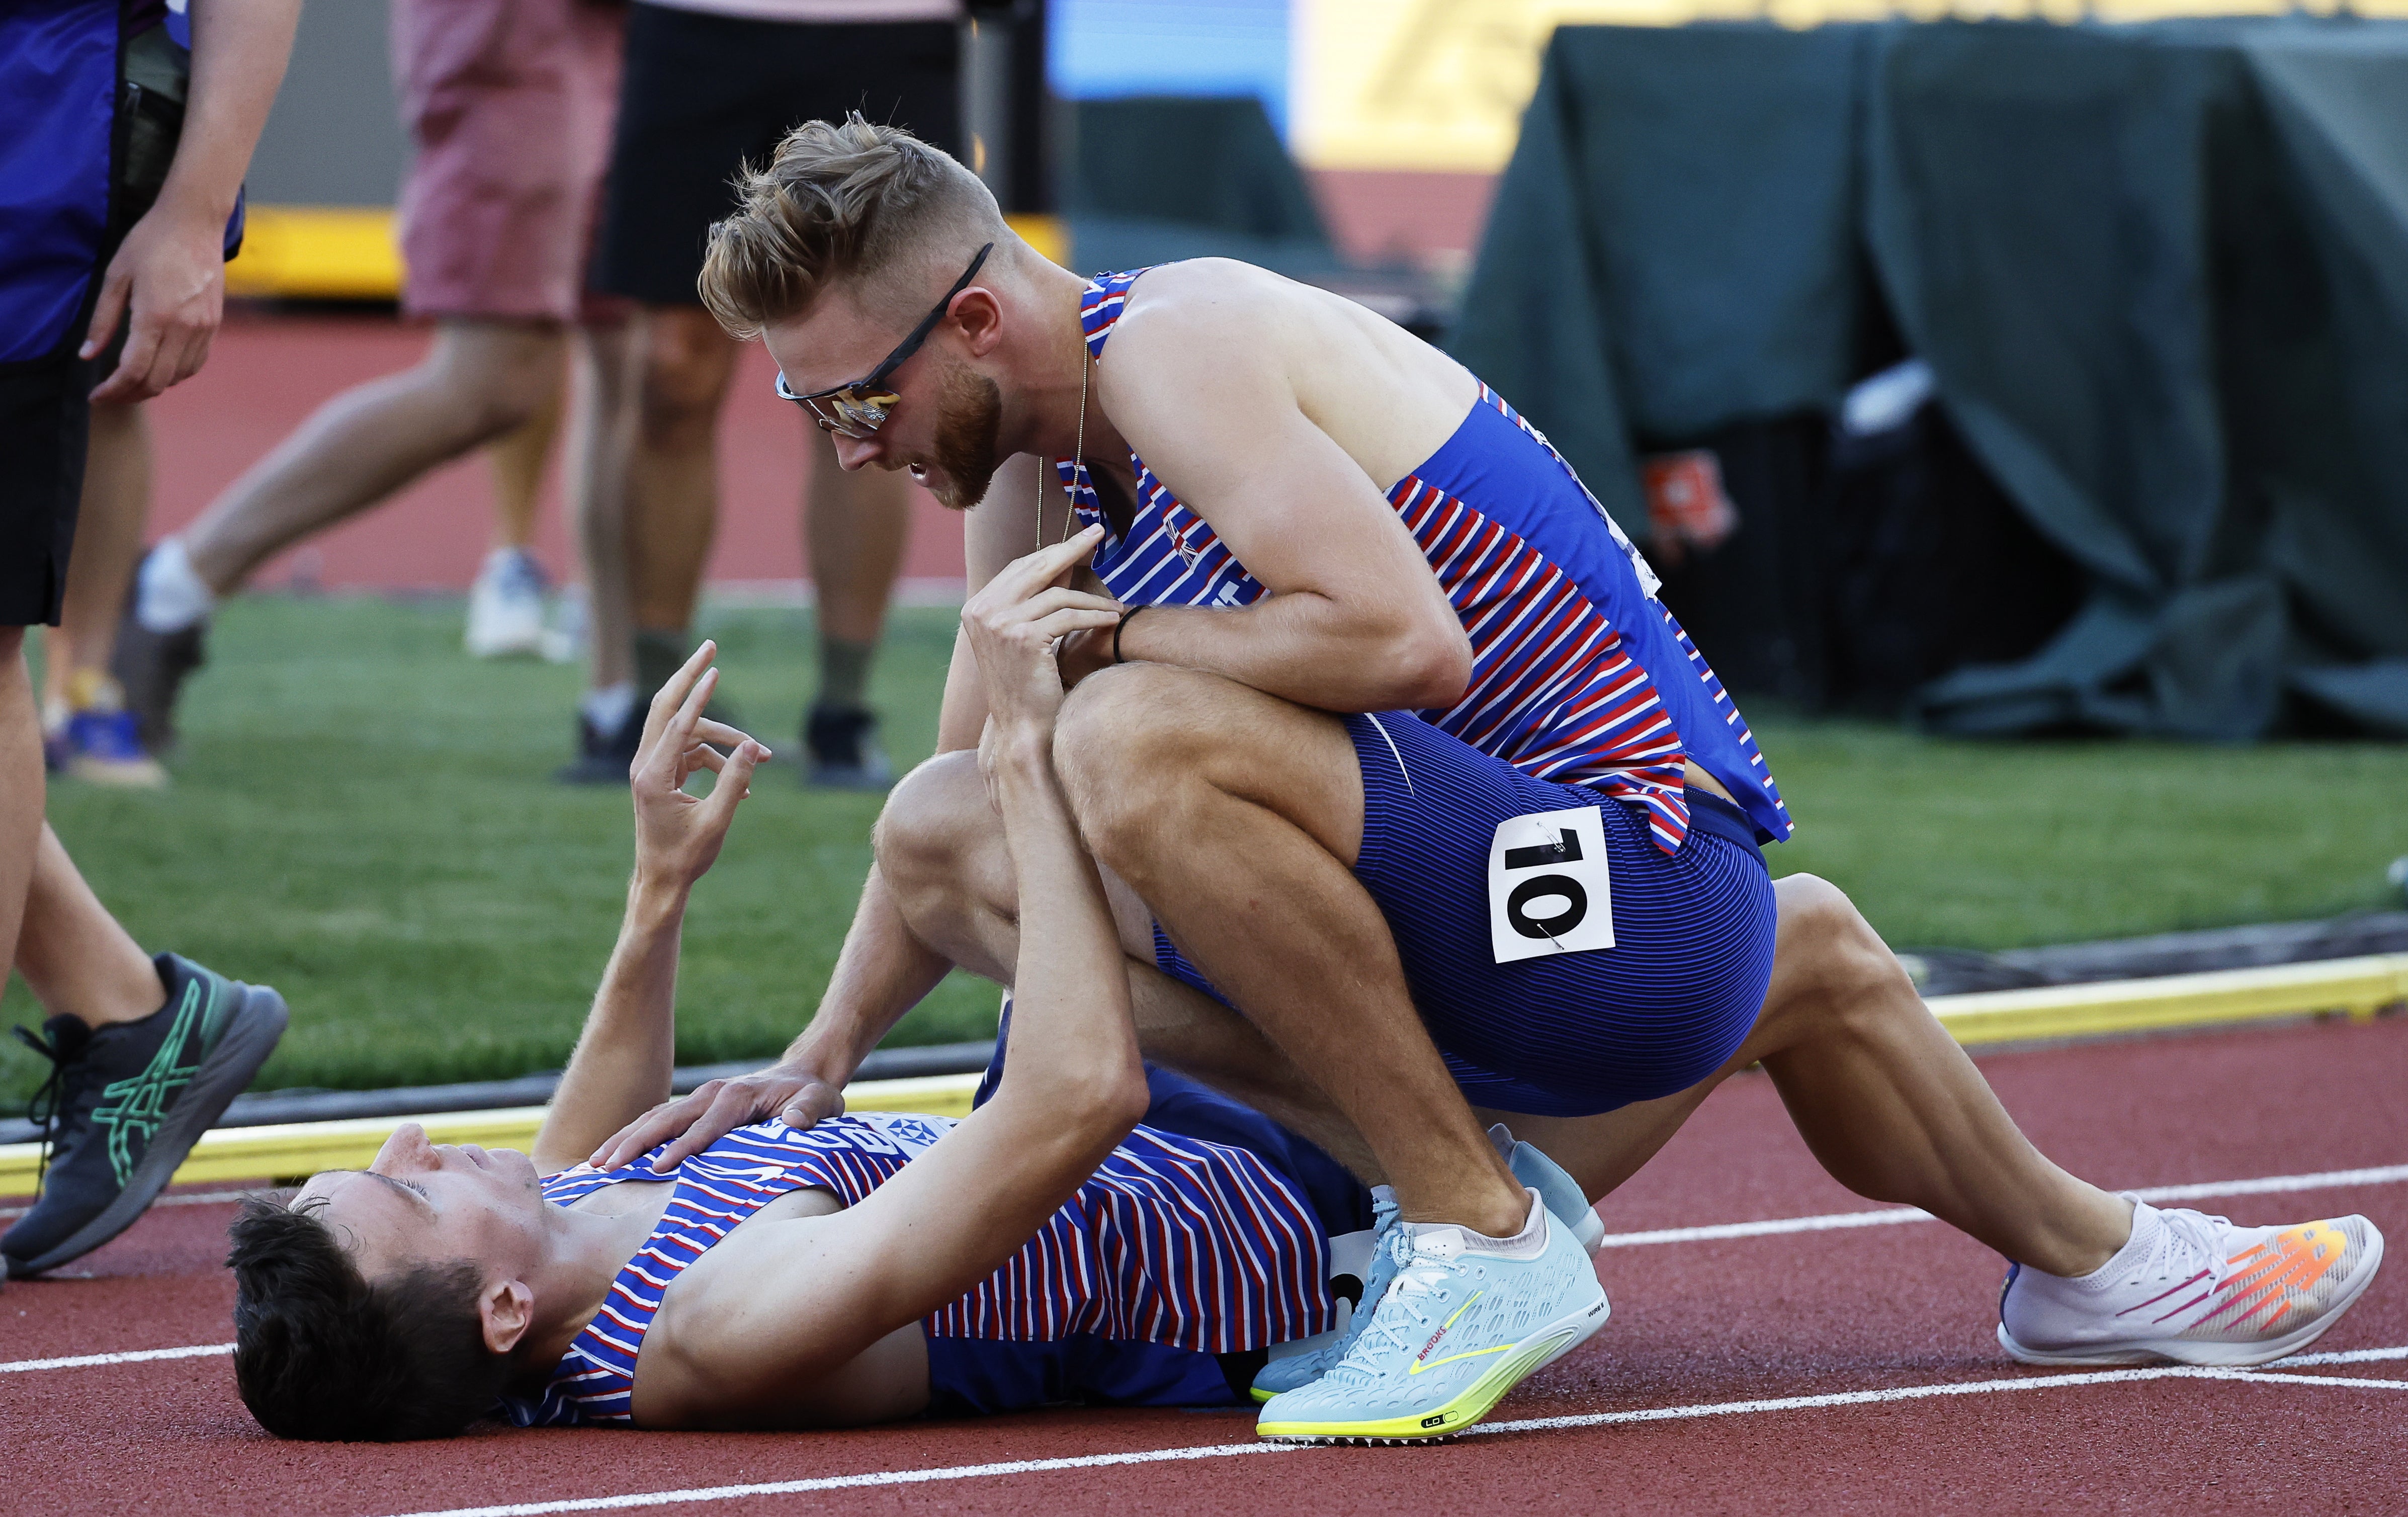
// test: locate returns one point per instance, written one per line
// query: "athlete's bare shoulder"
(1211, 329)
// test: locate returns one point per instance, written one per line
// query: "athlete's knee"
(1126, 739)
(928, 839)
(495, 376)
(1829, 964)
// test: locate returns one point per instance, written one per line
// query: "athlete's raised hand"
(678, 835)
(1015, 625)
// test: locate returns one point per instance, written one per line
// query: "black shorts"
(704, 95)
(45, 423)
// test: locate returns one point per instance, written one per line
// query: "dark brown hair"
(321, 1352)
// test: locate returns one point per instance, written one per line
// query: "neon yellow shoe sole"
(1533, 1354)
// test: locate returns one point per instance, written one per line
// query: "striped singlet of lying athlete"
(1645, 972)
(1163, 1281)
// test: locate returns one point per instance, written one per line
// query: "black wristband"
(1121, 627)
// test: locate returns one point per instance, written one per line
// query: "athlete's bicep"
(1292, 505)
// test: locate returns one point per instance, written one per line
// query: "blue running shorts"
(1563, 1034)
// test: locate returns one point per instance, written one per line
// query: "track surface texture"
(1697, 1324)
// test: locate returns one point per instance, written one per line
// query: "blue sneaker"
(1304, 1368)
(103, 748)
(1461, 1324)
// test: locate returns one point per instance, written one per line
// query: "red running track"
(268, 372)
(1694, 1324)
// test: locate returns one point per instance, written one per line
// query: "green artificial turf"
(363, 818)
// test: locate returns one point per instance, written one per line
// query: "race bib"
(1547, 886)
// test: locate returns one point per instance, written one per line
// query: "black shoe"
(843, 742)
(603, 758)
(126, 1102)
(152, 667)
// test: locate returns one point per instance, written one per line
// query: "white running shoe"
(2194, 1290)
(506, 606)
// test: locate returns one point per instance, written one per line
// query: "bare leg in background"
(110, 523)
(597, 497)
(479, 380)
(685, 364)
(516, 459)
(74, 955)
(855, 527)
(72, 952)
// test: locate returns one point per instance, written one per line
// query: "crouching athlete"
(875, 1266)
(1416, 806)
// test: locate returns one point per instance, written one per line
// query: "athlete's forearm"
(624, 1055)
(239, 51)
(1074, 1056)
(881, 972)
(1314, 651)
(961, 716)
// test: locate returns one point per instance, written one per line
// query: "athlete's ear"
(506, 1310)
(978, 316)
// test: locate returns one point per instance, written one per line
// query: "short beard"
(969, 419)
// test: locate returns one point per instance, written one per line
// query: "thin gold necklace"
(1070, 490)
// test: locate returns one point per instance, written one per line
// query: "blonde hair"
(850, 202)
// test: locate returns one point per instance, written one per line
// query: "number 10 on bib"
(1547, 886)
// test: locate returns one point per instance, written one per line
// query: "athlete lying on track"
(875, 1266)
(1520, 864)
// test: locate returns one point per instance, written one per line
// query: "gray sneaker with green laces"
(126, 1101)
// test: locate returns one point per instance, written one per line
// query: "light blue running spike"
(1461, 1325)
(1304, 1368)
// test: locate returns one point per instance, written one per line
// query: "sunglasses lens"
(846, 411)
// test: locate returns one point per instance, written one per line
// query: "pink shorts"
(509, 104)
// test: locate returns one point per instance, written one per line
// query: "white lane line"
(2390, 1174)
(2349, 1356)
(1922, 1393)
(1226, 1451)
(2268, 1185)
(189, 1198)
(848, 1483)
(203, 1351)
(88, 1361)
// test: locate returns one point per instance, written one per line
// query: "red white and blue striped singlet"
(1175, 1242)
(1580, 675)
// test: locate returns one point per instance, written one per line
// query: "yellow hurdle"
(304, 1148)
(2358, 989)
